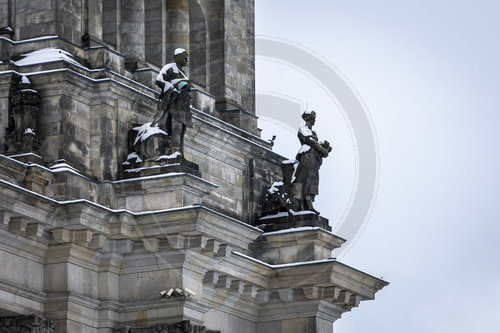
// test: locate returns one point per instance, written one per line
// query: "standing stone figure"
(22, 137)
(305, 179)
(173, 114)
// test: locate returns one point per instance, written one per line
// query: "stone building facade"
(88, 246)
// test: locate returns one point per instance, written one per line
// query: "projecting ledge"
(296, 245)
(162, 191)
(326, 273)
(199, 227)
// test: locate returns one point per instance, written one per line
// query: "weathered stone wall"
(35, 18)
(239, 60)
(4, 13)
(199, 70)
(92, 251)
(94, 256)
(95, 19)
(232, 61)
(229, 323)
(85, 118)
(132, 28)
(177, 28)
(218, 34)
(92, 137)
(216, 47)
(110, 26)
(6, 85)
(155, 13)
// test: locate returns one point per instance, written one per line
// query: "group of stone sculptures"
(163, 138)
(300, 177)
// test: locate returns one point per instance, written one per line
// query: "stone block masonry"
(86, 249)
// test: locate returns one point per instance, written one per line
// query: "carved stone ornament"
(180, 327)
(278, 198)
(27, 324)
(22, 137)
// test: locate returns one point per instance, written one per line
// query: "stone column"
(95, 19)
(155, 32)
(4, 13)
(177, 26)
(132, 29)
(5, 85)
(111, 22)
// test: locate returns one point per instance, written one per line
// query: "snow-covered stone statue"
(157, 146)
(294, 195)
(305, 179)
(278, 198)
(173, 114)
(21, 137)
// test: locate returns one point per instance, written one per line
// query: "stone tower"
(89, 245)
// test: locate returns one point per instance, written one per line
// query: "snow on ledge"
(169, 157)
(293, 264)
(24, 41)
(290, 230)
(302, 212)
(46, 55)
(267, 217)
(299, 229)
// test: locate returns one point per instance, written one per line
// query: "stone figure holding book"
(173, 114)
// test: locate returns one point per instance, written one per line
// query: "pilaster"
(132, 30)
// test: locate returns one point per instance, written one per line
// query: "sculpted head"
(309, 117)
(180, 57)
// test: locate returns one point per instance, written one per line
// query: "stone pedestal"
(296, 245)
(162, 190)
(287, 220)
(160, 166)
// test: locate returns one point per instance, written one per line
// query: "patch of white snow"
(305, 131)
(274, 187)
(25, 80)
(134, 156)
(277, 215)
(169, 157)
(46, 55)
(146, 130)
(304, 149)
(178, 51)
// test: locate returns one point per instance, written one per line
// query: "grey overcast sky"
(428, 72)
